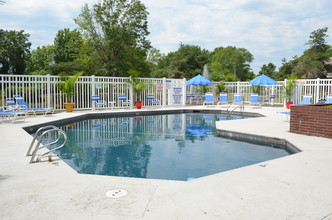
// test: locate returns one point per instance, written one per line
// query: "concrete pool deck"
(298, 186)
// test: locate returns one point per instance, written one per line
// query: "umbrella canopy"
(199, 81)
(198, 131)
(263, 81)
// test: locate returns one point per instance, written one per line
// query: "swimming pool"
(165, 146)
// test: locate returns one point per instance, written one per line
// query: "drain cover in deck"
(116, 193)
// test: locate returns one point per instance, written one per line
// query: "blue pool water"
(173, 146)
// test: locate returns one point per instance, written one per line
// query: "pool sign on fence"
(177, 95)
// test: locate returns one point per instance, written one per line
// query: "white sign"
(177, 95)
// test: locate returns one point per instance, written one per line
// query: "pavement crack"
(147, 205)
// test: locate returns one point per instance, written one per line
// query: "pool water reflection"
(173, 146)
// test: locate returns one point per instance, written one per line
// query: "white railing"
(318, 88)
(42, 91)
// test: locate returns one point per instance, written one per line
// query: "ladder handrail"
(39, 137)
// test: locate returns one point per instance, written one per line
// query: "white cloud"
(274, 29)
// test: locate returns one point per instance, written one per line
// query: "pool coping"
(101, 115)
(259, 139)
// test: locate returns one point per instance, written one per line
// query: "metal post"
(131, 93)
(48, 91)
(317, 90)
(164, 92)
(93, 92)
(285, 84)
(184, 92)
(238, 87)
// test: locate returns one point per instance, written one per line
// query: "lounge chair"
(8, 113)
(328, 99)
(152, 100)
(123, 101)
(238, 102)
(23, 106)
(97, 103)
(306, 100)
(254, 100)
(223, 99)
(11, 104)
(208, 98)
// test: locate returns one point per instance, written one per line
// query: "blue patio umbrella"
(199, 81)
(198, 131)
(263, 80)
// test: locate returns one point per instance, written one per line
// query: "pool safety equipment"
(46, 136)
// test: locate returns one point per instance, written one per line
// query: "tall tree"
(14, 51)
(231, 64)
(286, 69)
(40, 60)
(188, 61)
(67, 45)
(268, 70)
(313, 62)
(117, 30)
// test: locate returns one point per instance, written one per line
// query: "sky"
(270, 30)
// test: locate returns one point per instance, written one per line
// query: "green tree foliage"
(14, 50)
(154, 55)
(287, 69)
(40, 60)
(187, 62)
(268, 70)
(312, 63)
(67, 45)
(117, 30)
(231, 64)
(68, 68)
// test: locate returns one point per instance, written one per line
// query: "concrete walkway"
(298, 186)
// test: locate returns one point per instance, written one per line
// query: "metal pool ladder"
(51, 135)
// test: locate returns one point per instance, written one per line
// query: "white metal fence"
(318, 88)
(42, 91)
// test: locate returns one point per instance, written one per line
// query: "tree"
(14, 51)
(318, 40)
(286, 69)
(268, 70)
(313, 62)
(40, 60)
(188, 61)
(153, 55)
(67, 45)
(310, 65)
(231, 64)
(117, 30)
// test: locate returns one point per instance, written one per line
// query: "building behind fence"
(43, 92)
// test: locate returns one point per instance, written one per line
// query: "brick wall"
(313, 120)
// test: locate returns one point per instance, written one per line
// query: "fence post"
(93, 88)
(284, 96)
(184, 92)
(2, 91)
(131, 93)
(317, 90)
(238, 87)
(48, 90)
(164, 92)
